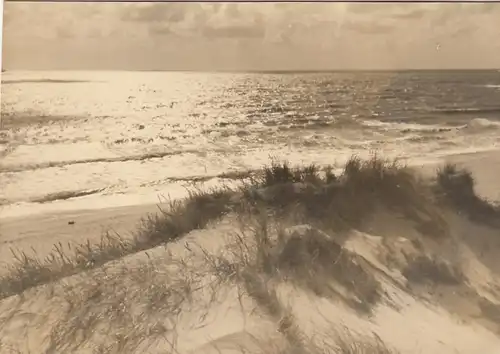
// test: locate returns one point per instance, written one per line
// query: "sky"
(250, 36)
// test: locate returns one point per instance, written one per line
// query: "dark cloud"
(396, 11)
(160, 12)
(234, 31)
(231, 22)
(371, 8)
(211, 20)
(160, 30)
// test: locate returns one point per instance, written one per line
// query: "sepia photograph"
(250, 177)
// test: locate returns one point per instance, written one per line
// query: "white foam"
(400, 126)
(478, 124)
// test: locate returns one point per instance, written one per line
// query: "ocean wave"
(459, 111)
(405, 127)
(139, 157)
(480, 124)
(43, 81)
(473, 125)
(123, 188)
(65, 195)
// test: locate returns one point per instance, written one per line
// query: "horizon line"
(265, 70)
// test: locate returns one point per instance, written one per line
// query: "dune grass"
(345, 201)
(456, 186)
(303, 256)
(309, 194)
(425, 268)
(179, 217)
(122, 310)
(29, 270)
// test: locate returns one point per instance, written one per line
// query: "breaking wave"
(481, 124)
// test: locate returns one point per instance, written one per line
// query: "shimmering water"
(125, 137)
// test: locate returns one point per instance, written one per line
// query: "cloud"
(160, 30)
(232, 21)
(412, 14)
(209, 20)
(368, 34)
(234, 31)
(151, 13)
(372, 8)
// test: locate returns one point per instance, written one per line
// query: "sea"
(98, 139)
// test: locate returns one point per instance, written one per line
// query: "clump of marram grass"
(347, 343)
(375, 183)
(247, 264)
(336, 342)
(311, 258)
(301, 255)
(425, 269)
(305, 257)
(282, 172)
(29, 270)
(8, 349)
(183, 216)
(123, 309)
(456, 186)
(345, 201)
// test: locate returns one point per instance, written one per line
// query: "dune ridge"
(374, 259)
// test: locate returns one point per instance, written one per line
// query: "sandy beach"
(41, 232)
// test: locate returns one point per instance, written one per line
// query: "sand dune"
(374, 260)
